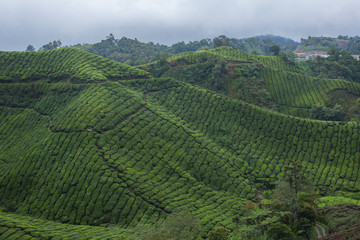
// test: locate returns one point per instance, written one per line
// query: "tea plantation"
(268, 81)
(91, 148)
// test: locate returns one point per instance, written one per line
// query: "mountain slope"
(130, 152)
(103, 167)
(273, 82)
(62, 64)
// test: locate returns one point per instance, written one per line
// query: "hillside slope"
(273, 82)
(62, 64)
(130, 152)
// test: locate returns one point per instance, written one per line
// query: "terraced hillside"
(272, 82)
(62, 64)
(120, 154)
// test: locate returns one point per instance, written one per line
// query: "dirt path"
(320, 231)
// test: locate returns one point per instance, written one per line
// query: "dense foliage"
(324, 44)
(342, 220)
(317, 43)
(62, 64)
(134, 151)
(339, 64)
(275, 82)
(134, 52)
(13, 226)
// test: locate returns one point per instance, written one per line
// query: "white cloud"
(37, 22)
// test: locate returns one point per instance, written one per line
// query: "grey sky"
(38, 22)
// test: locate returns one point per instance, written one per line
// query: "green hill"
(62, 64)
(125, 153)
(267, 81)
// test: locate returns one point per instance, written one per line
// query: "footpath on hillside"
(320, 231)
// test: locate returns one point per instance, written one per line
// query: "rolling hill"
(105, 147)
(268, 81)
(62, 64)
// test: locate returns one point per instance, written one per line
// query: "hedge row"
(131, 152)
(14, 226)
(62, 64)
(329, 151)
(300, 91)
(276, 83)
(137, 170)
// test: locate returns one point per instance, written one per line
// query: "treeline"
(134, 52)
(339, 64)
(350, 44)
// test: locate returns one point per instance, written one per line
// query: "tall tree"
(30, 48)
(275, 49)
(221, 40)
(51, 45)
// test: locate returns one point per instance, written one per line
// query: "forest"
(209, 143)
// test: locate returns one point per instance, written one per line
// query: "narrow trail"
(320, 231)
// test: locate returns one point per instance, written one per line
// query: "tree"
(178, 225)
(111, 38)
(296, 193)
(295, 177)
(258, 221)
(339, 64)
(221, 40)
(280, 231)
(51, 45)
(30, 48)
(220, 72)
(219, 233)
(335, 113)
(275, 49)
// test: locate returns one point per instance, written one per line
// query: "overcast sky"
(37, 22)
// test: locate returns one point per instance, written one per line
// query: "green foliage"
(51, 45)
(129, 153)
(332, 200)
(30, 48)
(339, 64)
(353, 46)
(342, 220)
(275, 82)
(219, 233)
(221, 40)
(14, 226)
(326, 113)
(274, 49)
(290, 214)
(317, 43)
(280, 231)
(134, 52)
(62, 65)
(350, 44)
(178, 225)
